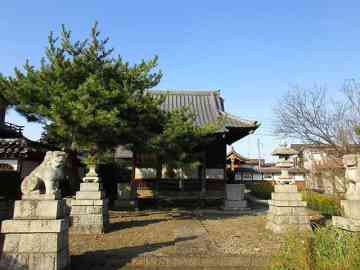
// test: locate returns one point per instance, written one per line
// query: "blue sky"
(253, 52)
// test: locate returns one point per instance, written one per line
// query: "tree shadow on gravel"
(115, 259)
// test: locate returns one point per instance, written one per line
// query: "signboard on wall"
(8, 165)
(145, 173)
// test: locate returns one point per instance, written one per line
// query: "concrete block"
(232, 205)
(235, 192)
(288, 203)
(87, 210)
(38, 209)
(33, 226)
(277, 196)
(351, 208)
(90, 195)
(35, 261)
(35, 242)
(91, 187)
(348, 224)
(286, 188)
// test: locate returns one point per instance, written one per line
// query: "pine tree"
(85, 97)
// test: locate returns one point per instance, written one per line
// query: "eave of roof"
(208, 107)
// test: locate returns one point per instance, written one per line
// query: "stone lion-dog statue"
(46, 176)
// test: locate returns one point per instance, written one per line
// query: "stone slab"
(351, 208)
(287, 211)
(89, 202)
(38, 196)
(286, 196)
(91, 187)
(87, 229)
(286, 188)
(235, 192)
(288, 203)
(288, 220)
(36, 261)
(233, 205)
(39, 209)
(348, 224)
(34, 226)
(35, 242)
(88, 210)
(90, 195)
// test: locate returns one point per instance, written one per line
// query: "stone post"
(37, 237)
(351, 205)
(235, 200)
(286, 208)
(89, 210)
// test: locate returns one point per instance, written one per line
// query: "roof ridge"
(185, 92)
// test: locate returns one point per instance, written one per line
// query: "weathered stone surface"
(38, 209)
(286, 196)
(36, 261)
(89, 195)
(89, 202)
(86, 210)
(91, 186)
(48, 173)
(288, 203)
(351, 208)
(35, 242)
(31, 242)
(229, 205)
(33, 226)
(347, 224)
(235, 192)
(287, 210)
(285, 188)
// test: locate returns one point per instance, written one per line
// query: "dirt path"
(179, 239)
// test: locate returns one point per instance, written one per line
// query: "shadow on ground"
(116, 226)
(117, 258)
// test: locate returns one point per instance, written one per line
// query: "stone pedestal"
(235, 200)
(89, 210)
(351, 219)
(37, 237)
(287, 210)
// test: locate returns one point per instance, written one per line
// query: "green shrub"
(326, 248)
(261, 190)
(326, 204)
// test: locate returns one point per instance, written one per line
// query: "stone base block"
(235, 192)
(34, 226)
(91, 187)
(351, 208)
(89, 216)
(235, 205)
(39, 209)
(286, 188)
(288, 220)
(287, 211)
(90, 195)
(35, 261)
(286, 196)
(348, 224)
(288, 203)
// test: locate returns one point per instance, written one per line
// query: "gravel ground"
(173, 233)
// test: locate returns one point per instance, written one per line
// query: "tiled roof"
(16, 148)
(208, 107)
